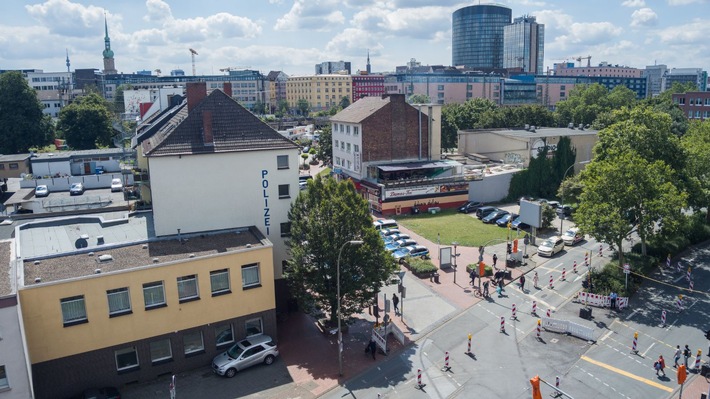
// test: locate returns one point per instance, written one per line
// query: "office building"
(333, 67)
(654, 74)
(696, 76)
(524, 45)
(603, 69)
(477, 36)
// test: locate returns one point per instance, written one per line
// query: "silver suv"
(245, 353)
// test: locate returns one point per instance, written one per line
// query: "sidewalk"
(697, 386)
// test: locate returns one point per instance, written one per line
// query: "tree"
(586, 102)
(259, 108)
(119, 106)
(303, 107)
(281, 108)
(22, 124)
(696, 143)
(455, 117)
(323, 218)
(565, 157)
(419, 99)
(624, 193)
(344, 102)
(548, 216)
(325, 145)
(86, 123)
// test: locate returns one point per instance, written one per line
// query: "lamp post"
(337, 278)
(455, 262)
(562, 218)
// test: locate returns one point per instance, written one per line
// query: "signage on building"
(411, 192)
(539, 145)
(265, 196)
(357, 161)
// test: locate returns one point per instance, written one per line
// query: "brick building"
(368, 86)
(695, 104)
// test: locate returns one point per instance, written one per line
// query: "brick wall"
(392, 133)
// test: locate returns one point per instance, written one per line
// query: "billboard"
(531, 213)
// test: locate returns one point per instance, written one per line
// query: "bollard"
(663, 318)
(538, 329)
(574, 267)
(549, 312)
(469, 344)
(514, 316)
(446, 363)
(690, 285)
(634, 347)
(534, 308)
(679, 303)
(668, 261)
(502, 324)
(586, 259)
(419, 379)
(551, 281)
(564, 273)
(600, 251)
(687, 275)
(697, 360)
(557, 382)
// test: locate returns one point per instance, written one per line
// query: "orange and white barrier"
(663, 318)
(514, 316)
(469, 343)
(539, 328)
(634, 344)
(600, 251)
(574, 267)
(534, 308)
(502, 324)
(551, 280)
(697, 360)
(564, 273)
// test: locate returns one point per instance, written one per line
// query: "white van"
(572, 236)
(385, 224)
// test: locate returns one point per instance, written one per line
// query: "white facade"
(48, 80)
(225, 190)
(12, 356)
(132, 99)
(347, 148)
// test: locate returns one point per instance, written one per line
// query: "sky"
(294, 35)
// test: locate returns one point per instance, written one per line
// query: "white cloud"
(643, 17)
(695, 32)
(429, 23)
(158, 11)
(554, 19)
(591, 32)
(634, 3)
(352, 41)
(311, 15)
(686, 2)
(66, 18)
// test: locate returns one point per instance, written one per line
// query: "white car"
(572, 236)
(41, 191)
(551, 246)
(116, 185)
(76, 189)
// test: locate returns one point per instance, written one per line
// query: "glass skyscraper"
(524, 45)
(477, 36)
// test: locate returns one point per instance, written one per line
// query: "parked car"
(396, 237)
(101, 393)
(493, 216)
(76, 189)
(245, 353)
(381, 224)
(116, 185)
(572, 236)
(41, 191)
(470, 206)
(305, 177)
(526, 198)
(412, 251)
(389, 232)
(395, 245)
(302, 184)
(503, 221)
(553, 204)
(564, 210)
(518, 224)
(484, 211)
(551, 246)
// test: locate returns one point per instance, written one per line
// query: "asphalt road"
(504, 362)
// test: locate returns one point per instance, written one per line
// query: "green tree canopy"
(86, 123)
(323, 218)
(696, 143)
(457, 117)
(419, 99)
(303, 107)
(22, 124)
(344, 102)
(586, 102)
(325, 145)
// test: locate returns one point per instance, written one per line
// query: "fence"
(601, 301)
(568, 327)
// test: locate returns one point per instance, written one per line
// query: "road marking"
(649, 348)
(607, 335)
(627, 374)
(678, 279)
(632, 314)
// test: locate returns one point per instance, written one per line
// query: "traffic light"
(535, 382)
(509, 248)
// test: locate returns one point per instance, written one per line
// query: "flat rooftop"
(5, 286)
(66, 248)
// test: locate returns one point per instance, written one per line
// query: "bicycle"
(477, 292)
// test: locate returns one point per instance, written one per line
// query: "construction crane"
(588, 58)
(193, 53)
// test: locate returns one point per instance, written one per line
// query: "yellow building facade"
(321, 91)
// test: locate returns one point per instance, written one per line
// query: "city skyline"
(294, 35)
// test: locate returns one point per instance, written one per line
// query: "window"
(440, 87)
(119, 302)
(342, 145)
(347, 147)
(286, 229)
(347, 129)
(254, 327)
(127, 359)
(356, 148)
(154, 295)
(2, 166)
(160, 351)
(219, 280)
(356, 130)
(187, 288)
(336, 143)
(283, 191)
(282, 161)
(4, 383)
(224, 334)
(192, 342)
(250, 276)
(74, 311)
(14, 166)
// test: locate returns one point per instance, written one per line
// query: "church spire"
(109, 66)
(369, 70)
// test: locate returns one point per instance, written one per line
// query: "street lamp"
(563, 191)
(455, 255)
(340, 332)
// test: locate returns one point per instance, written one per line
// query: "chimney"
(196, 92)
(207, 137)
(228, 89)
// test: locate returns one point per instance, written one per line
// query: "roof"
(360, 109)
(234, 128)
(538, 133)
(5, 286)
(14, 157)
(418, 165)
(156, 122)
(136, 252)
(66, 155)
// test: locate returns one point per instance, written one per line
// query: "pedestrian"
(676, 356)
(495, 259)
(395, 303)
(485, 289)
(535, 279)
(662, 365)
(522, 282)
(499, 289)
(373, 348)
(613, 296)
(686, 355)
(473, 275)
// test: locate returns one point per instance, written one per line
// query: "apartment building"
(321, 91)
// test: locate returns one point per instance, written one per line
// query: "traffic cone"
(564, 272)
(634, 346)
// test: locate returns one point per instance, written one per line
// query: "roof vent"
(527, 127)
(105, 258)
(192, 255)
(38, 280)
(532, 128)
(145, 246)
(571, 125)
(248, 245)
(36, 262)
(90, 254)
(155, 260)
(97, 271)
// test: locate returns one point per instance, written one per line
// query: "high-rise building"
(331, 67)
(696, 76)
(109, 65)
(477, 36)
(524, 45)
(654, 74)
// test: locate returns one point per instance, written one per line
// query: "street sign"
(401, 276)
(627, 268)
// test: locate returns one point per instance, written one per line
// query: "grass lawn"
(452, 226)
(325, 172)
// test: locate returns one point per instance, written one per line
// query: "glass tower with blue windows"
(477, 36)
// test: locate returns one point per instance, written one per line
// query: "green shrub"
(488, 270)
(421, 266)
